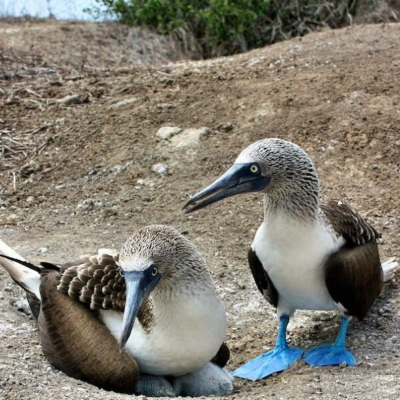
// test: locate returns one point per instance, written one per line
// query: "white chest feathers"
(293, 255)
(187, 333)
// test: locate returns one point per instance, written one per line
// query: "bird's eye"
(254, 169)
(154, 271)
(121, 272)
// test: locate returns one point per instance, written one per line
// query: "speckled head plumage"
(280, 169)
(294, 184)
(177, 259)
(279, 159)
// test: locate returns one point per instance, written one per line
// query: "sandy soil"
(77, 174)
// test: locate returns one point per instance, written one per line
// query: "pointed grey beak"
(139, 284)
(240, 178)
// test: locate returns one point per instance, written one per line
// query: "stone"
(86, 205)
(125, 102)
(167, 132)
(160, 168)
(190, 137)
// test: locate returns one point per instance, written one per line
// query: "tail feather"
(21, 271)
(389, 267)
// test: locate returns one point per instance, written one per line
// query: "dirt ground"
(78, 173)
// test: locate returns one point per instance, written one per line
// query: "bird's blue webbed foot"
(154, 386)
(332, 354)
(209, 380)
(276, 360)
(329, 354)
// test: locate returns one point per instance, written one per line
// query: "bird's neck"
(173, 289)
(299, 206)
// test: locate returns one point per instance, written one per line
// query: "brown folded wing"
(353, 274)
(261, 278)
(79, 344)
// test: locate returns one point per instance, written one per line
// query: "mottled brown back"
(348, 223)
(95, 281)
(79, 344)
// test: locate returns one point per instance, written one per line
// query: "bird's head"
(155, 259)
(276, 167)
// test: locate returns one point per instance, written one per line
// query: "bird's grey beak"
(240, 178)
(139, 284)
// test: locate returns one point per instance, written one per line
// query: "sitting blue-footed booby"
(305, 255)
(147, 321)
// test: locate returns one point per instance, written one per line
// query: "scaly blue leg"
(276, 360)
(332, 354)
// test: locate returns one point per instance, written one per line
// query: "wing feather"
(261, 278)
(353, 274)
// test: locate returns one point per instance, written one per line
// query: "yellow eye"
(154, 272)
(254, 169)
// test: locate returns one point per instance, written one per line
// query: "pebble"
(160, 168)
(72, 99)
(167, 132)
(86, 205)
(125, 102)
(190, 137)
(30, 200)
(225, 127)
(43, 250)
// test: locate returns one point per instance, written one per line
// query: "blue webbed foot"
(329, 354)
(209, 380)
(332, 354)
(276, 360)
(154, 386)
(266, 364)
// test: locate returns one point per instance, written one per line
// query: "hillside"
(79, 113)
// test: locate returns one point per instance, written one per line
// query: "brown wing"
(77, 343)
(263, 281)
(96, 281)
(353, 274)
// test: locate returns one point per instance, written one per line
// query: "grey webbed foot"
(154, 386)
(206, 381)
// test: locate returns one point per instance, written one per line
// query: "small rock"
(124, 102)
(160, 168)
(30, 200)
(190, 137)
(86, 205)
(144, 182)
(73, 99)
(43, 250)
(167, 132)
(225, 127)
(166, 106)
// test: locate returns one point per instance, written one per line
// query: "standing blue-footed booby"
(305, 255)
(147, 321)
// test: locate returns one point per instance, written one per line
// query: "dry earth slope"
(89, 180)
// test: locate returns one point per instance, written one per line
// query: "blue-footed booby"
(305, 255)
(147, 321)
